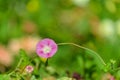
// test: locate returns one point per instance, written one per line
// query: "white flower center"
(46, 49)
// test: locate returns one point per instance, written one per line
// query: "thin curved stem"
(84, 49)
(16, 67)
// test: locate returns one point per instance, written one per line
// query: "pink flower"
(46, 48)
(29, 69)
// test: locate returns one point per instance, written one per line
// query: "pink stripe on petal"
(54, 47)
(48, 43)
(41, 52)
(41, 46)
(50, 55)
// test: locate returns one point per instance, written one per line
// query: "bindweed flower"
(46, 48)
(29, 69)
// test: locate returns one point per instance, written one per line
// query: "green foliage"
(24, 59)
(91, 23)
(4, 77)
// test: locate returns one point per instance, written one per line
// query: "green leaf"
(23, 54)
(21, 61)
(23, 58)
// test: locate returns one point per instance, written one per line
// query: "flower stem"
(96, 54)
(20, 61)
(46, 63)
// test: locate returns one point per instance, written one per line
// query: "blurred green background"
(94, 24)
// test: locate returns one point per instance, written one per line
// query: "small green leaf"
(23, 54)
(24, 58)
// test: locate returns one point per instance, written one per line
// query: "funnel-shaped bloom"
(46, 48)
